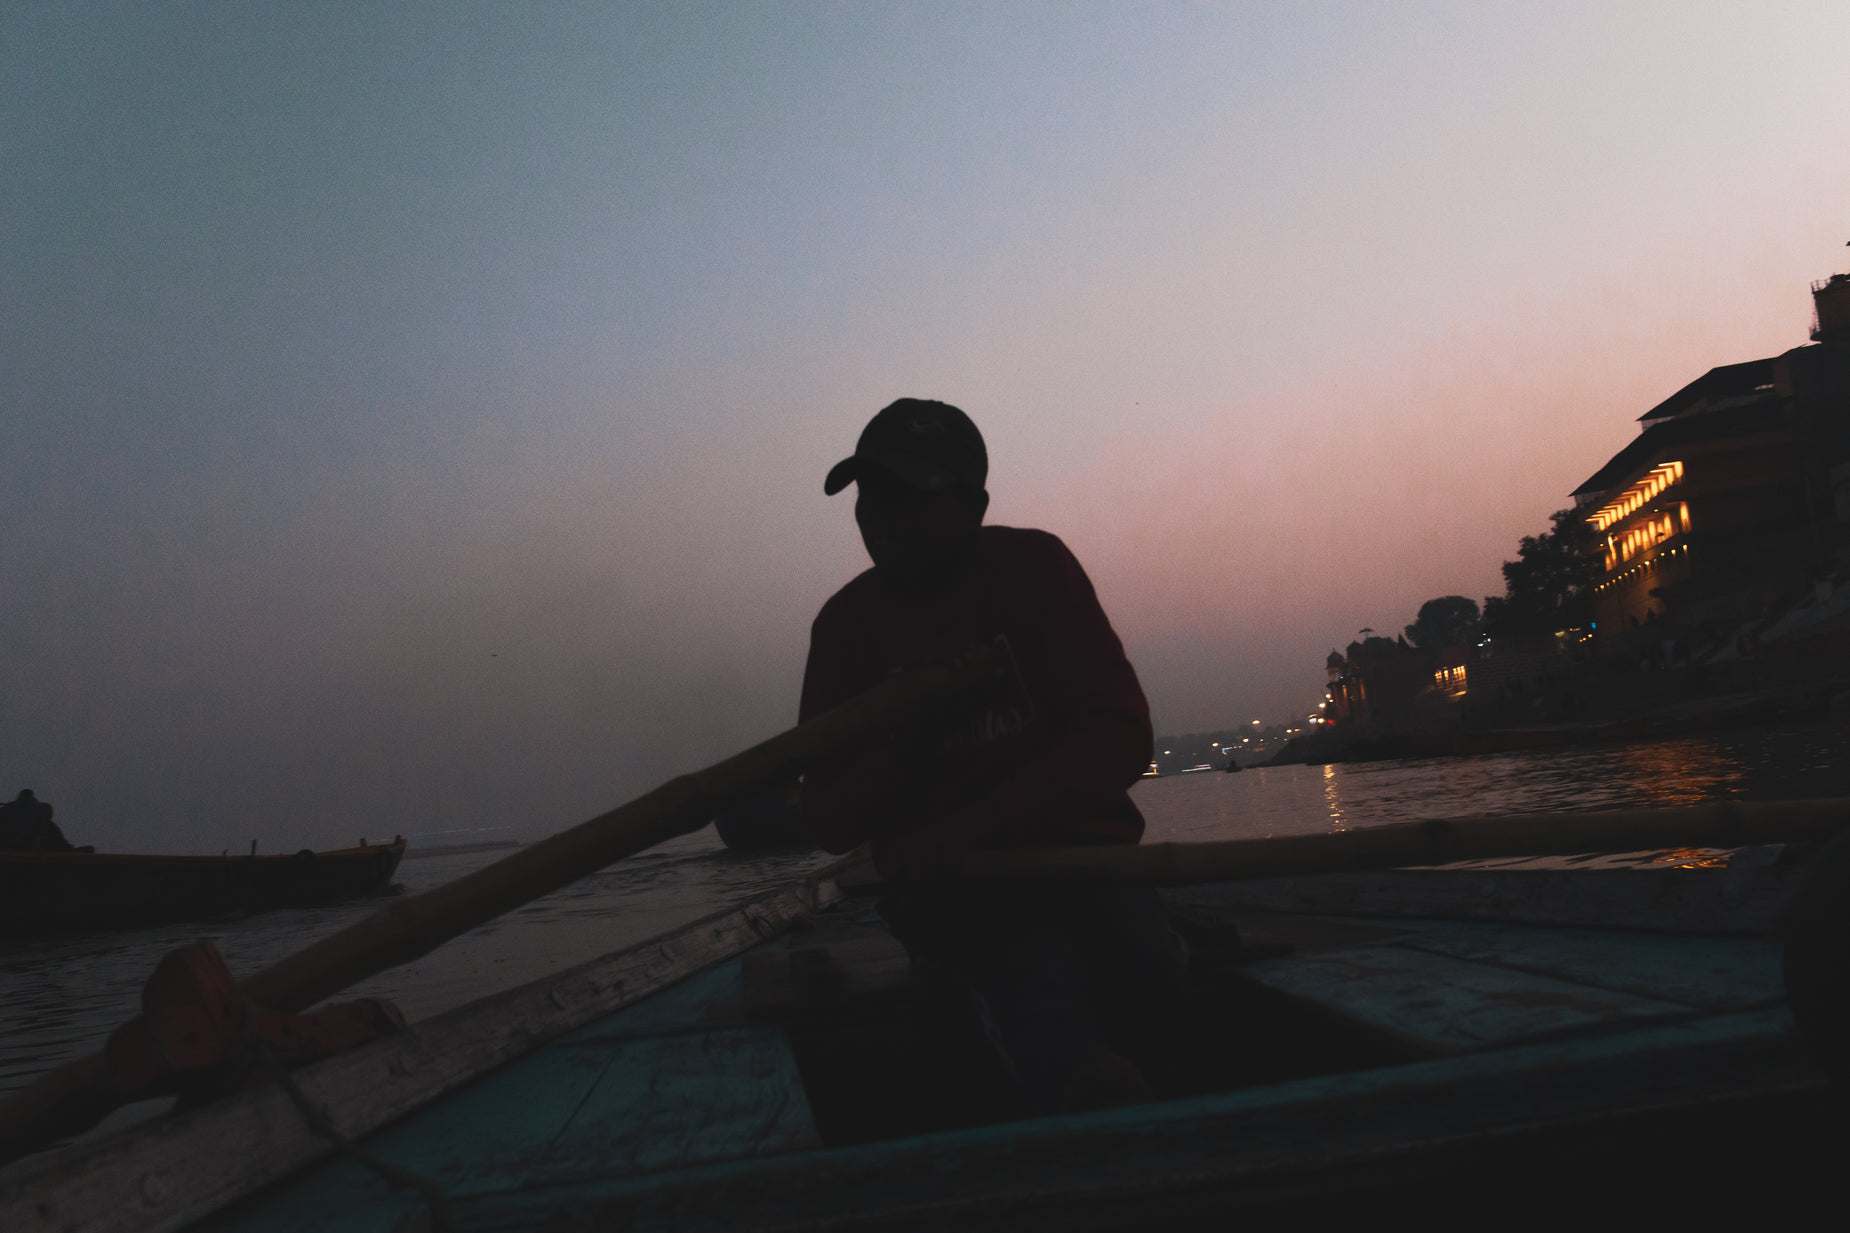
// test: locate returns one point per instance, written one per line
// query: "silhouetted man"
(26, 826)
(1073, 977)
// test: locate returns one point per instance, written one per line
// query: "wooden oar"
(1727, 824)
(75, 1096)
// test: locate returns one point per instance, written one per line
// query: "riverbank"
(1757, 708)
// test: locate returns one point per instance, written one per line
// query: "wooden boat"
(49, 891)
(1519, 1031)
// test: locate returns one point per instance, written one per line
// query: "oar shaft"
(73, 1097)
(1724, 825)
(416, 925)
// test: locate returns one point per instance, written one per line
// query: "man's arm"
(1101, 739)
(844, 799)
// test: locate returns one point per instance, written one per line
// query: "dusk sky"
(414, 417)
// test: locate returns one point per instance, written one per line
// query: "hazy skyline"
(416, 417)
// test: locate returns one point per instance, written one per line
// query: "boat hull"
(45, 892)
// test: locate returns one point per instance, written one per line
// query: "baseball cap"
(929, 445)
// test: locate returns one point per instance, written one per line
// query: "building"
(1383, 681)
(1736, 489)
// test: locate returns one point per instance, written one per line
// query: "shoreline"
(457, 849)
(1747, 709)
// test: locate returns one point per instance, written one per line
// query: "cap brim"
(841, 475)
(912, 472)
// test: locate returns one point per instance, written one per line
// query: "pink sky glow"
(423, 417)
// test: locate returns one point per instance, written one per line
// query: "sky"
(413, 417)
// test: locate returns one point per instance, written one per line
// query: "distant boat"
(1231, 766)
(46, 892)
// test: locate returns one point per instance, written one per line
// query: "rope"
(441, 1213)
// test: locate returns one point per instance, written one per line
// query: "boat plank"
(1728, 900)
(564, 1113)
(673, 1101)
(1442, 1005)
(709, 999)
(1717, 974)
(167, 1173)
(528, 1104)
(524, 1108)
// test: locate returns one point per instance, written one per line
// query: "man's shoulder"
(1023, 553)
(853, 597)
(1024, 543)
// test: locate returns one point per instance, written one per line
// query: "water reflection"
(1333, 795)
(1765, 764)
(1685, 772)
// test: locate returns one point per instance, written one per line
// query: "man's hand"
(933, 852)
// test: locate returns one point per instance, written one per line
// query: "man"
(26, 826)
(1072, 978)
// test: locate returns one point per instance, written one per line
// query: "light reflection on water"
(61, 998)
(1766, 764)
(1332, 796)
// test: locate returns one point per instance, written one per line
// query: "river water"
(60, 998)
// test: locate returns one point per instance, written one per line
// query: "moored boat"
(44, 892)
(784, 1065)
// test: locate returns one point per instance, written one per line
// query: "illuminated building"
(1451, 675)
(1736, 483)
(1385, 681)
(1347, 694)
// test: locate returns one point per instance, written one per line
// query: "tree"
(1450, 620)
(1373, 646)
(1550, 584)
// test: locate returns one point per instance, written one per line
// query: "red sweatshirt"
(1053, 753)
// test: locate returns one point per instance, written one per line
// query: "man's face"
(919, 541)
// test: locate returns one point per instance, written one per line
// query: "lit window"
(1648, 487)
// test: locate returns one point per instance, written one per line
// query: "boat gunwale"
(180, 1167)
(397, 846)
(1106, 1155)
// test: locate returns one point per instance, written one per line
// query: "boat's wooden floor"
(818, 1080)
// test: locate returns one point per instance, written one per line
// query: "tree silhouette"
(1550, 584)
(1450, 620)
